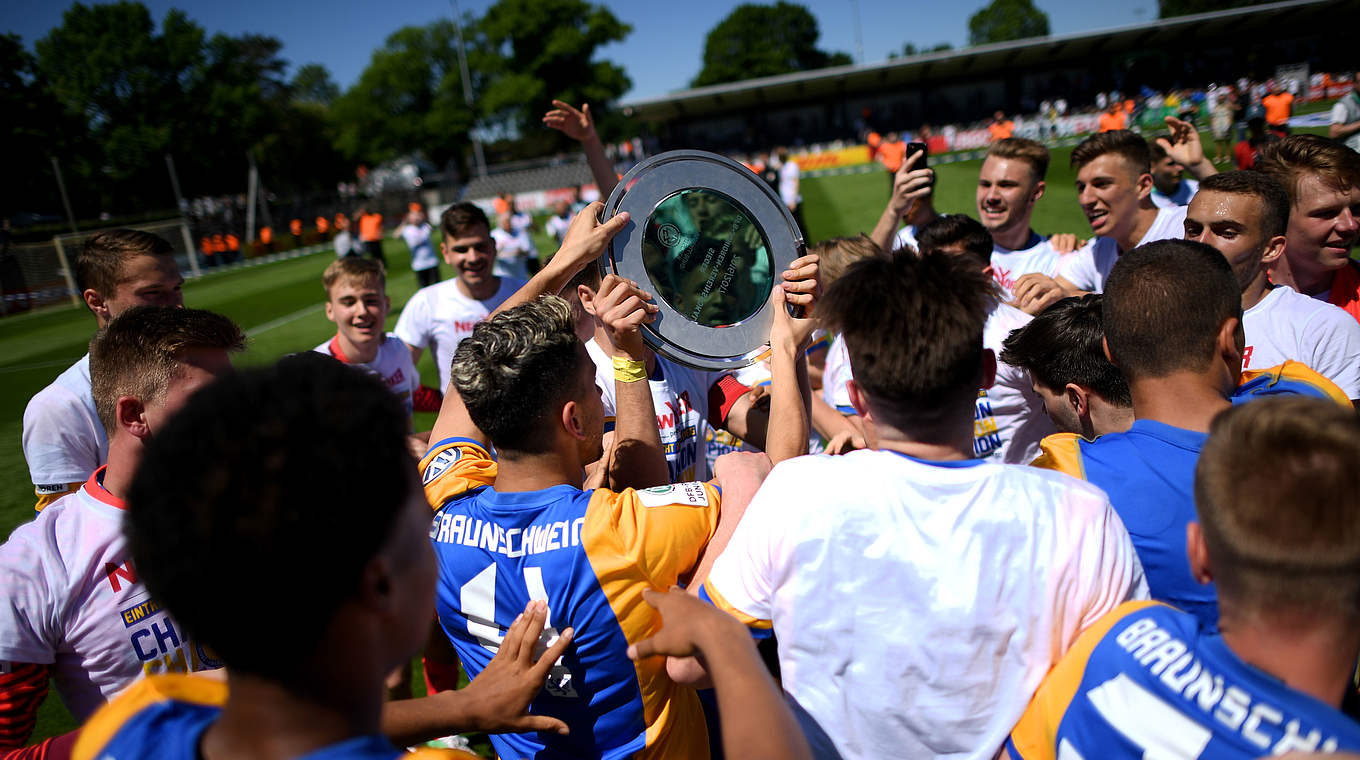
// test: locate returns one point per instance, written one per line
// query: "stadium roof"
(1253, 23)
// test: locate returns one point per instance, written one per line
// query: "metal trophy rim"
(657, 178)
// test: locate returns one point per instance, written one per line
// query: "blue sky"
(662, 54)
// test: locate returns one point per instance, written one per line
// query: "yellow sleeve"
(100, 729)
(1061, 452)
(45, 498)
(453, 467)
(1298, 373)
(1035, 737)
(662, 531)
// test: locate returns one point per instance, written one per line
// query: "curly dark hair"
(254, 512)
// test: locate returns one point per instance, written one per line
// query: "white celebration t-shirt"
(1289, 325)
(1089, 266)
(392, 365)
(918, 605)
(1010, 419)
(76, 603)
(1009, 265)
(440, 316)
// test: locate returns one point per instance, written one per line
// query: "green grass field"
(280, 307)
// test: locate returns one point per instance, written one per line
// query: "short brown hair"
(1261, 186)
(1164, 305)
(1128, 145)
(460, 219)
(1288, 160)
(137, 354)
(1275, 489)
(1023, 149)
(838, 253)
(353, 268)
(913, 329)
(99, 264)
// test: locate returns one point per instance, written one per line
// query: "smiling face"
(1006, 193)
(358, 307)
(1323, 226)
(1109, 190)
(472, 254)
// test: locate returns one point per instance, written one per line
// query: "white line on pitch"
(285, 319)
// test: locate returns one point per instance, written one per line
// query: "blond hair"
(350, 268)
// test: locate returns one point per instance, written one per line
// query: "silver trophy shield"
(709, 239)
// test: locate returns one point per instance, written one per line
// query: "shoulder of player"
(1060, 485)
(1170, 224)
(159, 704)
(1312, 312)
(67, 390)
(690, 494)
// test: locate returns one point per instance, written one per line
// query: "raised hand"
(801, 287)
(910, 183)
(1185, 147)
(576, 124)
(623, 307)
(587, 236)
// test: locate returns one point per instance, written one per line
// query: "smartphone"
(917, 147)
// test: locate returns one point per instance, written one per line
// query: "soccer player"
(1009, 421)
(62, 438)
(77, 610)
(415, 230)
(911, 201)
(1063, 351)
(440, 316)
(1172, 315)
(357, 302)
(1114, 182)
(1345, 116)
(1010, 182)
(1322, 178)
(1245, 215)
(1281, 544)
(519, 527)
(370, 233)
(247, 522)
(919, 595)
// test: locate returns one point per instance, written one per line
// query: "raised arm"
(579, 126)
(782, 431)
(585, 240)
(637, 459)
(909, 185)
(790, 390)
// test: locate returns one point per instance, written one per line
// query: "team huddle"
(990, 492)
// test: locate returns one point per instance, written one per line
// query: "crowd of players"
(1075, 499)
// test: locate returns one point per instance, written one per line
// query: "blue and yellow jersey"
(1148, 680)
(164, 717)
(589, 554)
(1149, 475)
(1288, 379)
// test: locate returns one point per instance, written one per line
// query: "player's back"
(918, 605)
(1149, 680)
(1149, 474)
(589, 555)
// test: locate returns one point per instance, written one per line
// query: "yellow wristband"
(629, 371)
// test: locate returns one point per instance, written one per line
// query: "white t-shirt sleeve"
(1079, 267)
(1336, 352)
(26, 620)
(59, 443)
(743, 576)
(415, 325)
(906, 238)
(1338, 113)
